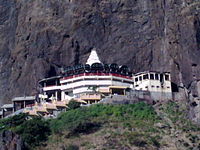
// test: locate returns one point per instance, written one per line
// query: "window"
(136, 85)
(130, 82)
(117, 80)
(156, 76)
(136, 79)
(152, 86)
(146, 87)
(167, 77)
(152, 76)
(161, 77)
(140, 78)
(146, 76)
(157, 86)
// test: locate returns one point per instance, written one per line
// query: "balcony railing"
(90, 97)
(96, 74)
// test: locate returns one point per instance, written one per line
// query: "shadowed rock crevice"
(11, 141)
(197, 29)
(51, 72)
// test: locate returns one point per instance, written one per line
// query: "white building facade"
(78, 80)
(94, 75)
(159, 84)
(84, 82)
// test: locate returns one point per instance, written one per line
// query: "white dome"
(93, 58)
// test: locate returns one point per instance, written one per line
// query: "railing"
(95, 97)
(50, 106)
(104, 90)
(96, 74)
(41, 109)
(60, 103)
(55, 87)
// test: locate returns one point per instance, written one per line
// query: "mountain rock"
(39, 36)
(10, 141)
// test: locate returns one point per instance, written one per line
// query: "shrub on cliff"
(86, 119)
(12, 122)
(73, 121)
(73, 104)
(34, 131)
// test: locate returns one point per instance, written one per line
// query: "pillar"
(56, 95)
(14, 107)
(3, 113)
(62, 95)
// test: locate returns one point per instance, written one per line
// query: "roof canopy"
(93, 58)
(7, 106)
(25, 98)
(118, 87)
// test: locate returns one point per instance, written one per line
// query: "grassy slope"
(117, 127)
(137, 126)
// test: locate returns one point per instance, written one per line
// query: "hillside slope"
(128, 127)
(110, 127)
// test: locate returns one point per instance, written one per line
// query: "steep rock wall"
(38, 36)
(10, 141)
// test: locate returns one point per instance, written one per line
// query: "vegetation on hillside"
(10, 123)
(108, 127)
(33, 130)
(73, 105)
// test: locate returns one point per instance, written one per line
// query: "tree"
(34, 132)
(73, 104)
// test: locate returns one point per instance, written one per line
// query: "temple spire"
(93, 58)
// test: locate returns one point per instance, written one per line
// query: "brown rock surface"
(38, 36)
(10, 141)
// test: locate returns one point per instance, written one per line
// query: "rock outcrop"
(10, 141)
(39, 36)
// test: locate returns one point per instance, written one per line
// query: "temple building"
(83, 79)
(90, 83)
(23, 102)
(159, 84)
(50, 88)
(6, 110)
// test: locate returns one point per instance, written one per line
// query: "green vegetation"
(121, 127)
(73, 104)
(71, 147)
(178, 116)
(12, 122)
(86, 119)
(33, 132)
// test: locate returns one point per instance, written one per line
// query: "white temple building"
(90, 83)
(94, 77)
(93, 58)
(152, 81)
(83, 79)
(159, 84)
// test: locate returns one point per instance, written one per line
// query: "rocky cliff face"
(38, 36)
(10, 141)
